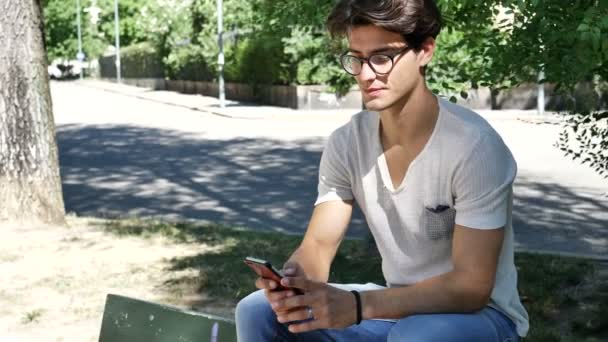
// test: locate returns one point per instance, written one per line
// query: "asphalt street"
(127, 151)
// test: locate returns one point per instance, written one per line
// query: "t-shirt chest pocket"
(438, 222)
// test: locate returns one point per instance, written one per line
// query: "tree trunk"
(30, 185)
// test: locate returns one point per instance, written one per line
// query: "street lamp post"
(541, 92)
(117, 34)
(80, 55)
(220, 58)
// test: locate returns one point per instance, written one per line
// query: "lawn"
(567, 298)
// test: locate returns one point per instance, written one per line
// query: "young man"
(434, 181)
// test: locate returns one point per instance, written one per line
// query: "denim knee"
(255, 320)
(254, 305)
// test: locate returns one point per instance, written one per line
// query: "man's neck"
(411, 120)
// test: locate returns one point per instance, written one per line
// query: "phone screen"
(264, 269)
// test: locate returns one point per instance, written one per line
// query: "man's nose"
(367, 73)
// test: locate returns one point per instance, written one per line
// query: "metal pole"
(220, 58)
(79, 38)
(541, 92)
(117, 34)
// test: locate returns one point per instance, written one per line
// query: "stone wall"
(318, 97)
(295, 97)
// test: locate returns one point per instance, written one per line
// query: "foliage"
(258, 59)
(308, 53)
(129, 18)
(61, 27)
(166, 23)
(509, 41)
(187, 64)
(137, 61)
(585, 138)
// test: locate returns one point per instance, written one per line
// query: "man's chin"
(375, 105)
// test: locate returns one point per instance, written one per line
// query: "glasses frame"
(391, 57)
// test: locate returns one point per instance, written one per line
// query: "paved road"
(128, 152)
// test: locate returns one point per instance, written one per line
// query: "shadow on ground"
(550, 216)
(220, 273)
(262, 184)
(564, 296)
(269, 185)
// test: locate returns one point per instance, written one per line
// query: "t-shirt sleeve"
(483, 184)
(334, 177)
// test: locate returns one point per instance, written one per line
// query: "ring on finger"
(310, 313)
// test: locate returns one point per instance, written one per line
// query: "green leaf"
(605, 22)
(464, 94)
(453, 99)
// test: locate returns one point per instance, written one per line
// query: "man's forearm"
(314, 259)
(450, 292)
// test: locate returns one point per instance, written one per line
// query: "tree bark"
(30, 185)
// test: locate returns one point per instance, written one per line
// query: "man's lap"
(485, 325)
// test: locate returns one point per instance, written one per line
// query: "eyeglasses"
(381, 63)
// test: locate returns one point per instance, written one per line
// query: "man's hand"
(291, 269)
(331, 308)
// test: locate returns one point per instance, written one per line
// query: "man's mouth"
(374, 91)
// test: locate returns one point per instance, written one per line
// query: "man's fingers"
(266, 284)
(298, 283)
(275, 296)
(306, 326)
(291, 303)
(299, 314)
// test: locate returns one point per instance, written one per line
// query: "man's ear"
(426, 52)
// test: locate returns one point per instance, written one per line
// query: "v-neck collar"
(381, 161)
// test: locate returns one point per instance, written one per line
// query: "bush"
(258, 59)
(188, 63)
(137, 61)
(316, 59)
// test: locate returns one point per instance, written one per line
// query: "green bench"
(132, 320)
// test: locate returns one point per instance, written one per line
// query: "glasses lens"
(382, 64)
(351, 64)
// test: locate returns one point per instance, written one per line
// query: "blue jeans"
(255, 321)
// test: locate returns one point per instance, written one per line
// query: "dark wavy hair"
(415, 20)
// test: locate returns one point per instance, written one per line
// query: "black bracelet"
(358, 300)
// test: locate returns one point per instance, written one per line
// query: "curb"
(587, 256)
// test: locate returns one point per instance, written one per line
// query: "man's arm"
(313, 257)
(323, 236)
(466, 288)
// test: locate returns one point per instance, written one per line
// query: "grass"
(567, 298)
(32, 316)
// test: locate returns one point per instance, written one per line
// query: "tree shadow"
(123, 171)
(220, 274)
(552, 217)
(269, 185)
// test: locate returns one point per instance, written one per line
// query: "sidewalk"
(211, 105)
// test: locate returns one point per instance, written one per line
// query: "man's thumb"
(291, 268)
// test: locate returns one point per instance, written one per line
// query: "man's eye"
(380, 59)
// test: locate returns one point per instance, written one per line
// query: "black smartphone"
(264, 269)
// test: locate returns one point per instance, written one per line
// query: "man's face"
(381, 92)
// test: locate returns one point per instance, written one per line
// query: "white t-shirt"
(463, 175)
